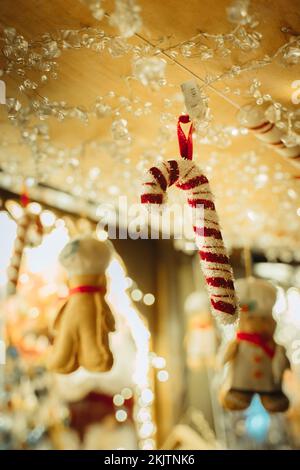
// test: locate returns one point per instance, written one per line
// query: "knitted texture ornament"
(25, 237)
(187, 176)
(254, 118)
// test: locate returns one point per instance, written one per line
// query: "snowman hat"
(256, 296)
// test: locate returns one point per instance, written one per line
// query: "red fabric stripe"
(151, 198)
(258, 340)
(268, 129)
(220, 282)
(193, 182)
(86, 290)
(159, 177)
(256, 128)
(277, 143)
(24, 198)
(202, 202)
(213, 257)
(224, 307)
(208, 232)
(173, 171)
(211, 222)
(223, 296)
(185, 143)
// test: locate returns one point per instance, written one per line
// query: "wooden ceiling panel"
(84, 74)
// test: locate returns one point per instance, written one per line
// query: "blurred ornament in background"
(237, 12)
(150, 71)
(33, 417)
(120, 131)
(95, 7)
(292, 55)
(126, 17)
(200, 340)
(258, 421)
(263, 122)
(196, 303)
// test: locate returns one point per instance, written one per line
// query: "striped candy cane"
(253, 117)
(186, 175)
(24, 224)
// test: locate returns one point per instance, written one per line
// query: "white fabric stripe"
(188, 171)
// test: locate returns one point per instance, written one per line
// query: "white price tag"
(2, 92)
(193, 99)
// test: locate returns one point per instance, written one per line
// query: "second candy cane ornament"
(187, 176)
(25, 224)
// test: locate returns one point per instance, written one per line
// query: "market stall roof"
(95, 156)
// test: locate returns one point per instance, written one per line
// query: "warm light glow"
(162, 376)
(15, 209)
(8, 234)
(24, 278)
(149, 299)
(120, 302)
(44, 258)
(34, 208)
(47, 218)
(118, 400)
(148, 444)
(121, 416)
(136, 295)
(159, 362)
(147, 396)
(129, 282)
(146, 430)
(102, 235)
(34, 312)
(126, 393)
(143, 415)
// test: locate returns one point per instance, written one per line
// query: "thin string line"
(163, 52)
(219, 93)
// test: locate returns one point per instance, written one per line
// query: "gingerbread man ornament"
(256, 362)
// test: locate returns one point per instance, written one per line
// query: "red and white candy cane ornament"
(25, 223)
(187, 176)
(253, 117)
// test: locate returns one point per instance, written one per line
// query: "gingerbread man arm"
(63, 358)
(109, 318)
(280, 363)
(230, 352)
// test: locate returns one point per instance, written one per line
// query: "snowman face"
(255, 323)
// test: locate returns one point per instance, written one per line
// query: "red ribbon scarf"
(259, 340)
(86, 290)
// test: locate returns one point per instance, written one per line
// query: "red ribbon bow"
(185, 144)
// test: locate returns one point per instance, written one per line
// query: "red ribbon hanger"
(24, 197)
(185, 144)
